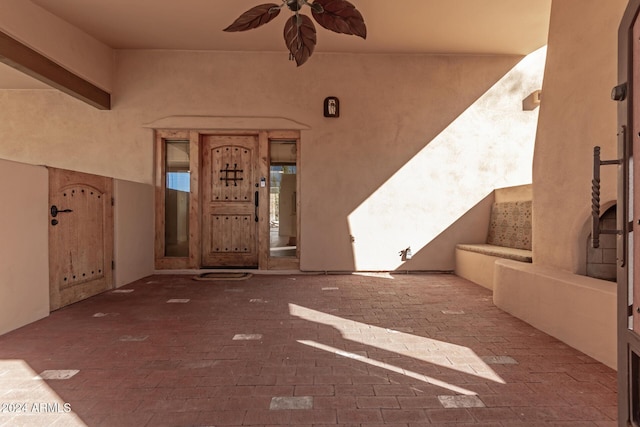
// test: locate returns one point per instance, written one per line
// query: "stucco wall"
(576, 114)
(134, 231)
(24, 255)
(421, 139)
(58, 40)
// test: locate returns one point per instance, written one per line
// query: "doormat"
(222, 276)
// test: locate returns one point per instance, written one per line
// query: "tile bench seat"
(509, 237)
(522, 255)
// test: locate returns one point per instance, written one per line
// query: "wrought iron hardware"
(54, 222)
(595, 198)
(256, 200)
(619, 93)
(55, 211)
(406, 254)
(235, 178)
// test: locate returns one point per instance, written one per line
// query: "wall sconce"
(331, 107)
(532, 101)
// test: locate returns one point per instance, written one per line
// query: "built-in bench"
(508, 237)
(578, 310)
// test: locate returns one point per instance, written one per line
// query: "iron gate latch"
(595, 198)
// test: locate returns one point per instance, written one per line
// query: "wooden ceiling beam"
(21, 57)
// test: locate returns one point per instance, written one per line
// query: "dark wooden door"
(80, 236)
(229, 201)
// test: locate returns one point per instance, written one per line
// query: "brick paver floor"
(305, 350)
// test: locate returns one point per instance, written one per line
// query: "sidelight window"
(176, 199)
(283, 216)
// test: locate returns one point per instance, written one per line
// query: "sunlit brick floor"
(350, 350)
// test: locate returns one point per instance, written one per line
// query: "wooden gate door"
(230, 201)
(627, 93)
(80, 236)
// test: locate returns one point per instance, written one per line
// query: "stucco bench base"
(578, 310)
(522, 255)
(475, 262)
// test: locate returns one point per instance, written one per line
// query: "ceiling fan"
(339, 16)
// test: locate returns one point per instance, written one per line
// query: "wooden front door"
(230, 201)
(80, 236)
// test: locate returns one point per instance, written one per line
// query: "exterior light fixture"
(532, 101)
(332, 107)
(406, 254)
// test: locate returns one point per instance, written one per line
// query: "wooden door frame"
(273, 263)
(628, 122)
(195, 137)
(163, 262)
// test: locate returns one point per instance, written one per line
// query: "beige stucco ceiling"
(394, 26)
(403, 26)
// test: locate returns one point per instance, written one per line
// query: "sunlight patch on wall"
(380, 340)
(490, 145)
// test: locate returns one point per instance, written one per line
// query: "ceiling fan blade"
(340, 16)
(255, 17)
(300, 37)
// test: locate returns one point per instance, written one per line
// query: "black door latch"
(55, 211)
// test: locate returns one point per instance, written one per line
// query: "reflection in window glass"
(179, 181)
(283, 195)
(176, 197)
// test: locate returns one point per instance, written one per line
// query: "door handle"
(256, 200)
(55, 211)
